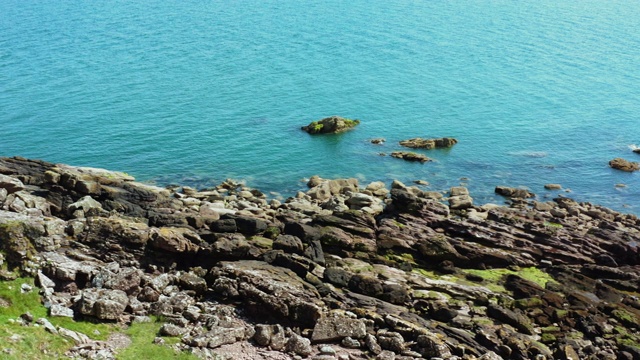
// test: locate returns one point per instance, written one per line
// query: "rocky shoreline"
(342, 271)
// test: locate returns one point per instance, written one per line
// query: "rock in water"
(420, 143)
(624, 165)
(409, 156)
(331, 125)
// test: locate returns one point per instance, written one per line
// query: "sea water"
(193, 92)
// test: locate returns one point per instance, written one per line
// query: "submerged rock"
(331, 125)
(420, 143)
(410, 156)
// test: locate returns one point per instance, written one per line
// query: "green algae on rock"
(331, 125)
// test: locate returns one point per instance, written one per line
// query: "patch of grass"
(26, 342)
(34, 342)
(142, 346)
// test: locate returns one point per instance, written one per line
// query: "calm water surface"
(189, 92)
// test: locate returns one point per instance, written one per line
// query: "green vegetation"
(142, 346)
(34, 342)
(351, 122)
(625, 317)
(551, 227)
(532, 274)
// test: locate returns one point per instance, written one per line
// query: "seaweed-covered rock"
(330, 125)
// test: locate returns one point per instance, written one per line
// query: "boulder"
(103, 304)
(330, 125)
(175, 240)
(335, 328)
(11, 184)
(624, 165)
(420, 143)
(514, 193)
(460, 198)
(410, 156)
(298, 345)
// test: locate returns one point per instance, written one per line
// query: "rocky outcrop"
(331, 125)
(624, 165)
(410, 156)
(340, 270)
(420, 143)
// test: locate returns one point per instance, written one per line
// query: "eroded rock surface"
(341, 271)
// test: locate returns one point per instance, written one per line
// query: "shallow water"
(191, 93)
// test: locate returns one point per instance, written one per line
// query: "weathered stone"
(175, 240)
(57, 310)
(85, 204)
(103, 304)
(190, 281)
(171, 330)
(337, 328)
(11, 184)
(366, 285)
(288, 243)
(298, 345)
(517, 320)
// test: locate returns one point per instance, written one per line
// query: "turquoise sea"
(193, 92)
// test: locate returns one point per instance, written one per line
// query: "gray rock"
(11, 184)
(57, 310)
(85, 204)
(460, 202)
(221, 336)
(171, 330)
(490, 356)
(327, 350)
(337, 276)
(372, 345)
(350, 343)
(386, 355)
(47, 325)
(190, 281)
(103, 304)
(392, 341)
(298, 345)
(288, 243)
(433, 346)
(337, 328)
